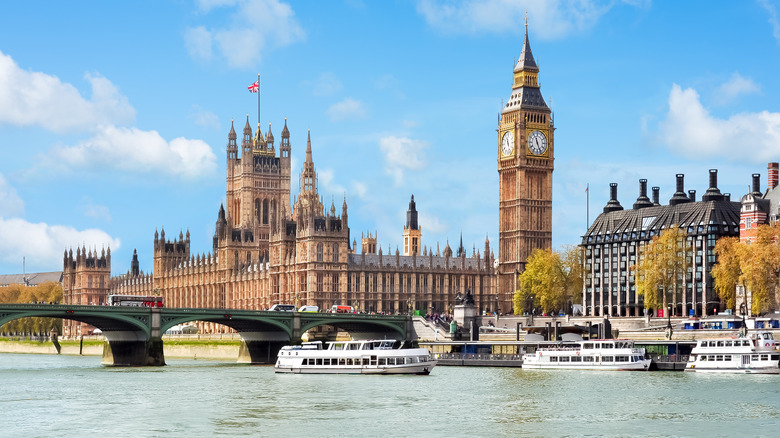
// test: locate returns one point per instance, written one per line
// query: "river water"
(47, 395)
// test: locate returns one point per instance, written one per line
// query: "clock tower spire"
(525, 167)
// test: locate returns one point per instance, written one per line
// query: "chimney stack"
(756, 184)
(642, 201)
(656, 195)
(613, 204)
(692, 195)
(713, 193)
(679, 196)
(773, 175)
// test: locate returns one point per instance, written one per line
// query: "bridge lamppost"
(743, 310)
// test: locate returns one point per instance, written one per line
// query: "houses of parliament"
(267, 251)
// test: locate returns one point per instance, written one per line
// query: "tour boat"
(753, 354)
(353, 357)
(607, 355)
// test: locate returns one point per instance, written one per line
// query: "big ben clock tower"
(525, 167)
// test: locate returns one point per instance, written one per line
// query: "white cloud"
(43, 244)
(402, 154)
(327, 185)
(548, 19)
(10, 203)
(348, 108)
(770, 9)
(198, 41)
(691, 130)
(204, 118)
(95, 211)
(32, 98)
(131, 149)
(256, 25)
(432, 224)
(733, 88)
(359, 189)
(327, 84)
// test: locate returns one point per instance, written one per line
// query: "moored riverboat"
(755, 353)
(606, 355)
(353, 357)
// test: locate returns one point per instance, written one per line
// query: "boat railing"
(476, 356)
(559, 348)
(669, 358)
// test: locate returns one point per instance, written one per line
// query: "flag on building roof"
(254, 87)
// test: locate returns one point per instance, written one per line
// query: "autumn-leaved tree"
(543, 283)
(760, 263)
(573, 259)
(661, 269)
(49, 292)
(727, 273)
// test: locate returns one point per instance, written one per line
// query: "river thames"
(47, 395)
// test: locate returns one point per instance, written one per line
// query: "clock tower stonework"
(525, 168)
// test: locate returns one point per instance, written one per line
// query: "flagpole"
(587, 206)
(258, 99)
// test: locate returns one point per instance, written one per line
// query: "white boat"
(753, 354)
(607, 355)
(353, 357)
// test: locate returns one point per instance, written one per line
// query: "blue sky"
(114, 115)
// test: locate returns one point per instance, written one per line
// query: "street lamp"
(743, 310)
(669, 324)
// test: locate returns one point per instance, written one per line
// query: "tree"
(543, 283)
(727, 273)
(49, 292)
(573, 259)
(760, 263)
(661, 268)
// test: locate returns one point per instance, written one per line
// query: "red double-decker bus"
(136, 301)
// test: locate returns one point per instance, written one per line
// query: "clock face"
(537, 142)
(508, 143)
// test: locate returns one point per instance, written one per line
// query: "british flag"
(254, 87)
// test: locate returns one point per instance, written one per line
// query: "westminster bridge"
(134, 334)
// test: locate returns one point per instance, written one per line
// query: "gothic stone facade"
(264, 254)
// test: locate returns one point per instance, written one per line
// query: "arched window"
(265, 212)
(257, 210)
(319, 252)
(335, 252)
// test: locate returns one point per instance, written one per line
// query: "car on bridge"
(282, 308)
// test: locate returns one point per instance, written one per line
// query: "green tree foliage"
(49, 292)
(727, 273)
(661, 268)
(543, 283)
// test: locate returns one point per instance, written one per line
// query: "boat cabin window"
(607, 345)
(353, 346)
(587, 346)
(720, 343)
(576, 359)
(764, 357)
(728, 343)
(553, 358)
(564, 359)
(775, 357)
(727, 357)
(587, 359)
(719, 357)
(703, 358)
(754, 357)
